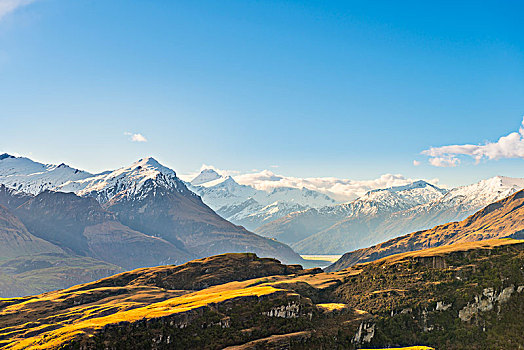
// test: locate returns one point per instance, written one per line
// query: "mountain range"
(502, 219)
(454, 284)
(383, 214)
(141, 215)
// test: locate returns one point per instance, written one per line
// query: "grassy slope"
(324, 309)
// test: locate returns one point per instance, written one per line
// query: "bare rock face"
(485, 302)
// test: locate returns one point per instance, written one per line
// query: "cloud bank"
(8, 6)
(509, 146)
(136, 137)
(342, 190)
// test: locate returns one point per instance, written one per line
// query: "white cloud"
(136, 137)
(509, 146)
(416, 163)
(444, 162)
(342, 190)
(8, 6)
(339, 189)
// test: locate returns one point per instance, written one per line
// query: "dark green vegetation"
(462, 296)
(464, 299)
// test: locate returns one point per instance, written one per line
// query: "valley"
(135, 259)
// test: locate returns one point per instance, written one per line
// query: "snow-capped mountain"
(365, 223)
(478, 195)
(300, 225)
(129, 182)
(26, 175)
(146, 197)
(250, 207)
(456, 205)
(206, 176)
(394, 199)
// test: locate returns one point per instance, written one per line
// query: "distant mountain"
(457, 204)
(205, 176)
(249, 207)
(335, 228)
(504, 218)
(342, 228)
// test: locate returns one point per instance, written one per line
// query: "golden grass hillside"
(282, 307)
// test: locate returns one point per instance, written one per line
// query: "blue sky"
(317, 88)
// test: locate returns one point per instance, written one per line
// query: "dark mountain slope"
(39, 273)
(16, 240)
(181, 216)
(81, 226)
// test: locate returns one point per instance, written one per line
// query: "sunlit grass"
(168, 307)
(330, 258)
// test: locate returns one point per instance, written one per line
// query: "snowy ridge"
(250, 207)
(462, 201)
(385, 214)
(26, 175)
(128, 182)
(484, 192)
(390, 199)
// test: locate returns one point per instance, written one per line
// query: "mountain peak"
(410, 186)
(130, 182)
(150, 164)
(5, 155)
(508, 181)
(206, 175)
(148, 160)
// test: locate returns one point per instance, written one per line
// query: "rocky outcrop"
(365, 333)
(291, 310)
(485, 302)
